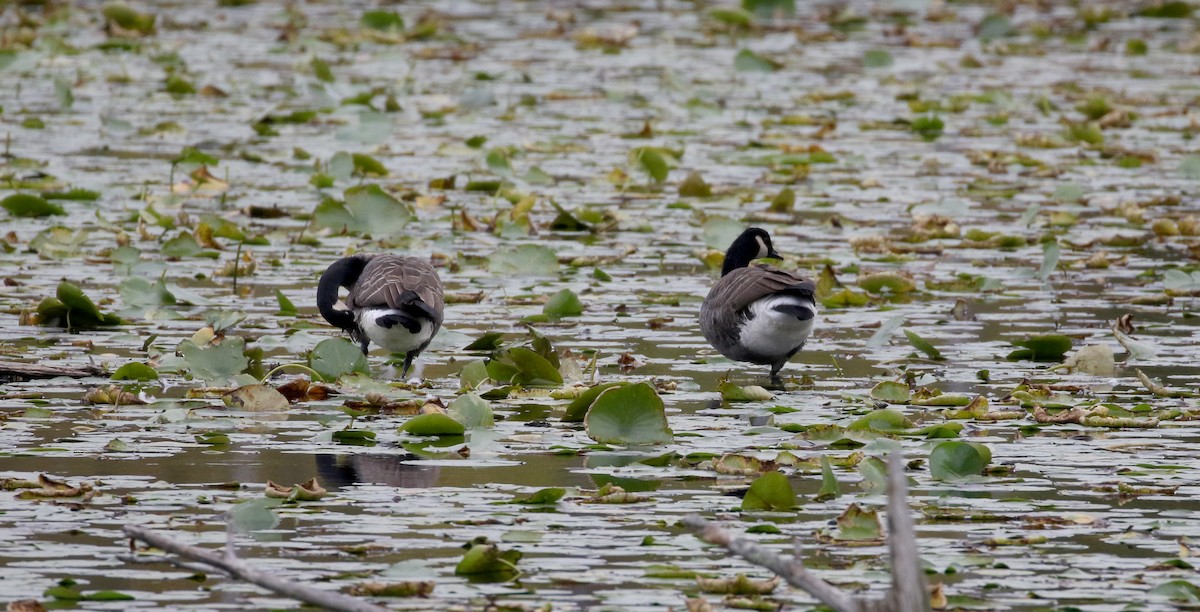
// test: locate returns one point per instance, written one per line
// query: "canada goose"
(394, 301)
(758, 313)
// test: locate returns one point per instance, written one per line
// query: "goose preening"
(758, 313)
(394, 301)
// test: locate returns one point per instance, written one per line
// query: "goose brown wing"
(743, 286)
(386, 278)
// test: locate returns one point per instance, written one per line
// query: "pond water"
(1034, 162)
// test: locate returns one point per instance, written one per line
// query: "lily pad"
(72, 309)
(771, 491)
(215, 362)
(958, 460)
(334, 358)
(526, 259)
(472, 411)
(1049, 347)
(485, 561)
(630, 414)
(28, 205)
(579, 407)
(433, 424)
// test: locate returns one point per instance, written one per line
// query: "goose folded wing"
(744, 286)
(393, 282)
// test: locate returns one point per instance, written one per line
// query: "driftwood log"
(908, 592)
(12, 371)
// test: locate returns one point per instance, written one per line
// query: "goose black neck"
(743, 251)
(343, 273)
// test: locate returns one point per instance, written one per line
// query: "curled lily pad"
(433, 424)
(72, 309)
(578, 407)
(27, 205)
(1049, 347)
(892, 392)
(771, 491)
(485, 561)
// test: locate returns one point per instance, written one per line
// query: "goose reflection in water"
(336, 471)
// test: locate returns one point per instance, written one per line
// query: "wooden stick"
(330, 600)
(791, 570)
(909, 593)
(20, 370)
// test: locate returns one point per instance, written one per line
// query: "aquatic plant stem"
(230, 564)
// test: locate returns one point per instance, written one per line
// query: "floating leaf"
(750, 393)
(333, 358)
(885, 420)
(874, 474)
(1050, 252)
(771, 491)
(217, 362)
(886, 282)
(877, 58)
(928, 127)
(542, 497)
(1179, 591)
(526, 259)
(1050, 347)
(286, 307)
(630, 414)
(472, 411)
(563, 304)
(433, 424)
(142, 293)
(749, 61)
(829, 484)
(652, 162)
(354, 437)
(892, 392)
(880, 337)
(28, 205)
(858, 525)
(254, 515)
(256, 398)
(578, 407)
(694, 187)
(212, 438)
(365, 165)
(924, 346)
(484, 560)
(957, 460)
(135, 371)
(532, 369)
(738, 585)
(384, 21)
(71, 309)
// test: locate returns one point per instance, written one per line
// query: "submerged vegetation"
(997, 203)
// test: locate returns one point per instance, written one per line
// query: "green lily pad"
(750, 393)
(886, 420)
(433, 424)
(1178, 590)
(829, 484)
(957, 460)
(542, 497)
(630, 414)
(892, 392)
(923, 345)
(135, 371)
(771, 491)
(215, 363)
(579, 407)
(472, 411)
(485, 561)
(334, 358)
(563, 304)
(28, 205)
(532, 369)
(526, 259)
(1049, 347)
(749, 61)
(856, 524)
(72, 309)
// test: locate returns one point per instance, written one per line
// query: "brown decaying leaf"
(411, 588)
(46, 487)
(309, 490)
(303, 390)
(111, 395)
(25, 605)
(740, 585)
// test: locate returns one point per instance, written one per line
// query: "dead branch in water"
(908, 592)
(230, 564)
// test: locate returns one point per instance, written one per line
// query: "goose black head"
(754, 243)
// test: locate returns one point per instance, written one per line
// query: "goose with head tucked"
(758, 313)
(394, 301)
